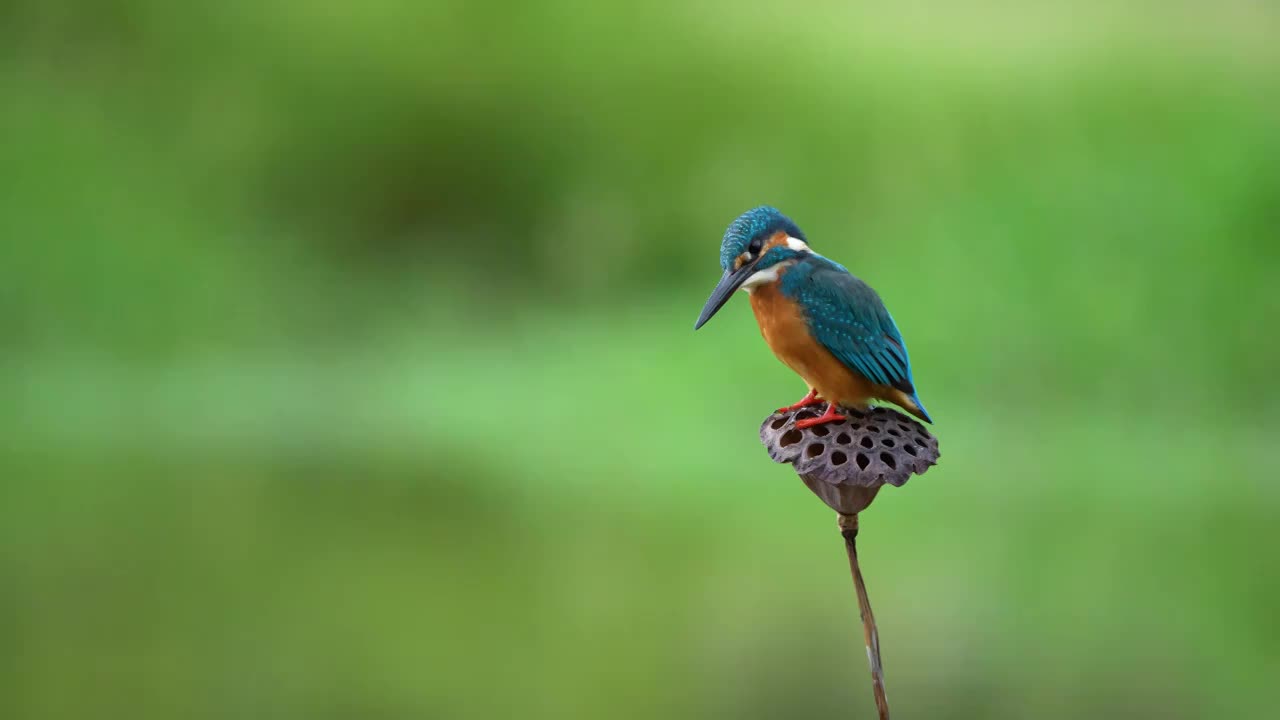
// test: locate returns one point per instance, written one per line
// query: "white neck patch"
(797, 244)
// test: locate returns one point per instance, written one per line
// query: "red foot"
(829, 416)
(810, 399)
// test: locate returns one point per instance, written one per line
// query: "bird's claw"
(810, 399)
(829, 416)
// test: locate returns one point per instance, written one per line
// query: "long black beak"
(731, 281)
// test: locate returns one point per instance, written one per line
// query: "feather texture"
(849, 319)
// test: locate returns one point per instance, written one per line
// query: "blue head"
(752, 230)
(757, 241)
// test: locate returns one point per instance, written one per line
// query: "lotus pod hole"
(845, 463)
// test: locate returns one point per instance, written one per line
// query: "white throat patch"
(768, 275)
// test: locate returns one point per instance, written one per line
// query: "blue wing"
(848, 318)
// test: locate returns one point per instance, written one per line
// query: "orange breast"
(785, 330)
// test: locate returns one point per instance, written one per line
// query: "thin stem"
(849, 529)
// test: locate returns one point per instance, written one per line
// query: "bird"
(828, 326)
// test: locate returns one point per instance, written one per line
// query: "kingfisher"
(828, 326)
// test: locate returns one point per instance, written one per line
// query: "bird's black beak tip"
(729, 282)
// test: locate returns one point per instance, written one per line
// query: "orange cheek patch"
(778, 239)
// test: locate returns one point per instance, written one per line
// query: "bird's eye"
(754, 247)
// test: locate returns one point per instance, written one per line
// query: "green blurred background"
(348, 369)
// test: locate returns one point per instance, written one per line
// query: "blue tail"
(920, 411)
